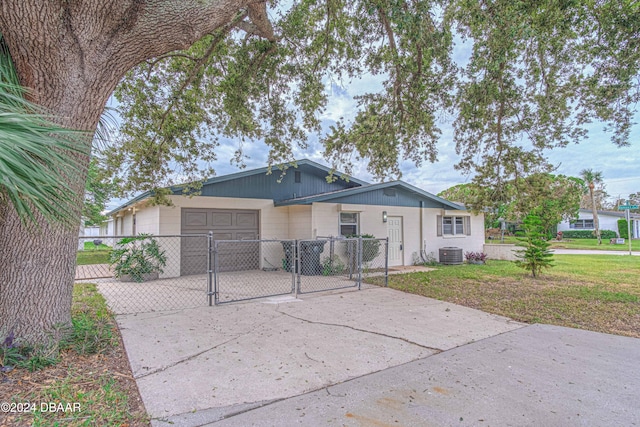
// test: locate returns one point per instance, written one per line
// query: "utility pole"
(629, 226)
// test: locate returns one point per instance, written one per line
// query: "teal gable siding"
(378, 197)
(263, 186)
(307, 184)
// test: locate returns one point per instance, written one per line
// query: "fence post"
(216, 291)
(386, 262)
(360, 249)
(297, 265)
(210, 267)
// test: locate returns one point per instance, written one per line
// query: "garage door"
(226, 224)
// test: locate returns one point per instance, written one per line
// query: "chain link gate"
(335, 263)
(249, 269)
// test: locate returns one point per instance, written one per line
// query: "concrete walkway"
(375, 357)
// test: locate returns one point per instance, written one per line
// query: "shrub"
(370, 248)
(475, 256)
(622, 228)
(424, 259)
(588, 234)
(137, 257)
(333, 265)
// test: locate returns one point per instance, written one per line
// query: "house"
(303, 205)
(608, 220)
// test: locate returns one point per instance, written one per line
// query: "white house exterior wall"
(147, 220)
(127, 223)
(300, 224)
(606, 222)
(325, 218)
(307, 221)
(471, 243)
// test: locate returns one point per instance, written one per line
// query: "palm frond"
(37, 157)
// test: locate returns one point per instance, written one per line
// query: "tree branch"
(258, 15)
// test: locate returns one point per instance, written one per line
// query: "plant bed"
(90, 371)
(475, 257)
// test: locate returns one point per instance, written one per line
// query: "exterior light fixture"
(384, 216)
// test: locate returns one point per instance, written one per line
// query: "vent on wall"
(297, 176)
(450, 255)
(391, 192)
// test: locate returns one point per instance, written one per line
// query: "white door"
(394, 232)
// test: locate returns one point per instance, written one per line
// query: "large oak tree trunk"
(71, 55)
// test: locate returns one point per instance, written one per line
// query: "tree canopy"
(536, 74)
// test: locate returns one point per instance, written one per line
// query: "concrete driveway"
(374, 357)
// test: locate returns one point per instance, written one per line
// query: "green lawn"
(593, 244)
(89, 246)
(595, 292)
(580, 244)
(98, 256)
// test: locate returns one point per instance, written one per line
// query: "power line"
(623, 179)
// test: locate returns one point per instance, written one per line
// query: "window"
(454, 226)
(348, 223)
(582, 224)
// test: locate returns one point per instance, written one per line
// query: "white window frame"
(457, 225)
(582, 223)
(356, 215)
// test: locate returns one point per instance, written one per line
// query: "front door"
(394, 232)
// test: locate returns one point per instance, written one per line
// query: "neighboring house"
(608, 220)
(303, 205)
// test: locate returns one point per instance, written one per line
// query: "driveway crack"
(193, 356)
(435, 350)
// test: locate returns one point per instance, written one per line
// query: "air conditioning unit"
(450, 255)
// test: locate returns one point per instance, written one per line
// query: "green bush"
(370, 248)
(588, 234)
(137, 257)
(622, 228)
(332, 266)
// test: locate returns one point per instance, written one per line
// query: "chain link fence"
(138, 274)
(157, 273)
